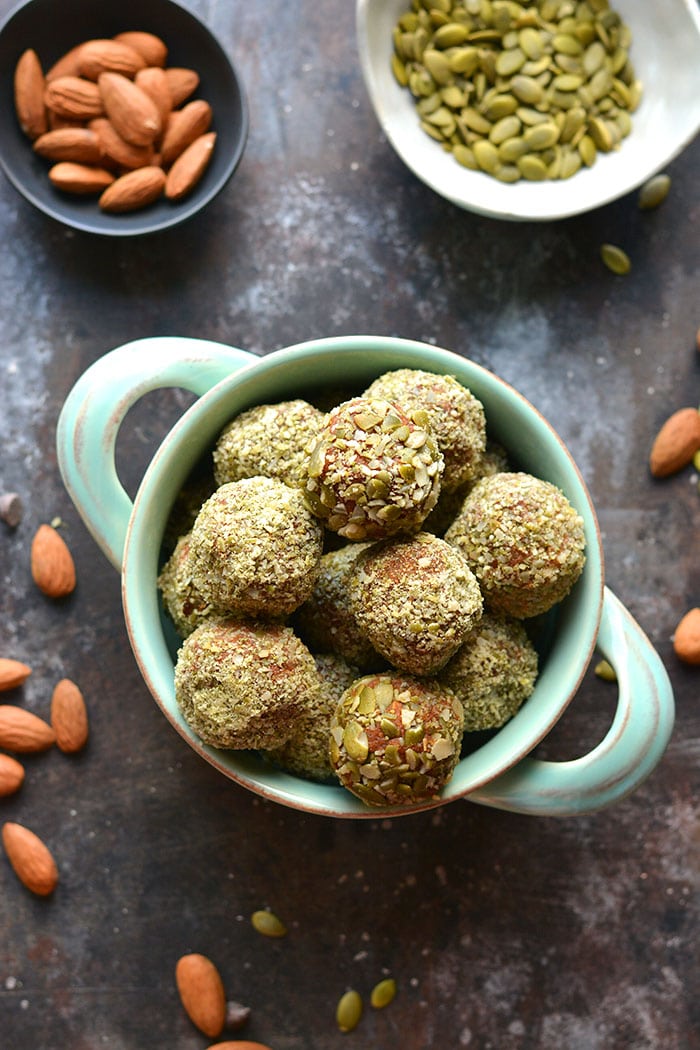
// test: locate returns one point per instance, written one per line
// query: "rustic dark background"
(502, 931)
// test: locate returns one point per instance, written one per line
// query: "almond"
(238, 1044)
(189, 167)
(69, 717)
(82, 179)
(183, 127)
(24, 732)
(67, 65)
(133, 113)
(75, 144)
(182, 83)
(676, 443)
(686, 639)
(29, 95)
(116, 151)
(32, 861)
(108, 56)
(201, 992)
(74, 98)
(11, 775)
(154, 82)
(12, 673)
(151, 48)
(135, 190)
(53, 570)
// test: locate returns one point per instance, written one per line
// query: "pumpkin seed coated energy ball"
(523, 541)
(493, 672)
(416, 599)
(395, 740)
(268, 440)
(255, 548)
(244, 685)
(456, 417)
(185, 605)
(374, 470)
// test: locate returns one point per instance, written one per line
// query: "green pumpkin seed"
(399, 70)
(509, 62)
(450, 35)
(536, 69)
(267, 923)
(531, 116)
(349, 1011)
(465, 156)
(527, 90)
(499, 106)
(570, 163)
(511, 149)
(474, 120)
(574, 119)
(531, 42)
(567, 43)
(542, 136)
(429, 104)
(532, 167)
(615, 259)
(464, 60)
(593, 58)
(437, 65)
(605, 670)
(587, 150)
(567, 82)
(383, 993)
(453, 97)
(507, 173)
(504, 129)
(599, 131)
(486, 155)
(654, 192)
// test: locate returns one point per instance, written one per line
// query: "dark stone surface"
(502, 931)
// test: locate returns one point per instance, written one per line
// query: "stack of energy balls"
(352, 593)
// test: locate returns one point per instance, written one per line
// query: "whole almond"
(189, 167)
(152, 49)
(201, 992)
(24, 732)
(182, 83)
(132, 112)
(67, 65)
(31, 859)
(676, 443)
(183, 127)
(238, 1044)
(79, 145)
(154, 82)
(135, 190)
(69, 717)
(11, 775)
(116, 151)
(686, 639)
(29, 95)
(108, 56)
(74, 98)
(53, 569)
(81, 179)
(12, 673)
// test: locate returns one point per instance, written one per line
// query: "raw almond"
(135, 190)
(12, 673)
(154, 82)
(69, 717)
(31, 859)
(238, 1044)
(81, 179)
(676, 443)
(201, 992)
(183, 127)
(74, 98)
(11, 775)
(133, 113)
(79, 145)
(67, 64)
(182, 83)
(108, 56)
(116, 151)
(686, 640)
(24, 732)
(151, 48)
(29, 95)
(189, 167)
(53, 570)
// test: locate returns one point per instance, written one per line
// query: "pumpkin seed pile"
(531, 90)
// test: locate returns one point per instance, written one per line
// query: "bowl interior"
(566, 639)
(665, 52)
(51, 29)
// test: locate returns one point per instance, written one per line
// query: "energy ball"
(267, 441)
(395, 740)
(255, 548)
(493, 672)
(306, 752)
(185, 605)
(325, 621)
(416, 599)
(456, 417)
(523, 541)
(244, 685)
(374, 470)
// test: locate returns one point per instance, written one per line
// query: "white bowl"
(665, 52)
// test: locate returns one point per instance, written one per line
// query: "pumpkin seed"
(570, 164)
(509, 62)
(567, 44)
(383, 993)
(399, 70)
(600, 133)
(437, 65)
(587, 150)
(267, 923)
(616, 260)
(532, 167)
(349, 1011)
(605, 670)
(542, 136)
(486, 155)
(507, 173)
(526, 89)
(504, 129)
(531, 42)
(450, 35)
(464, 60)
(511, 149)
(465, 156)
(499, 106)
(654, 192)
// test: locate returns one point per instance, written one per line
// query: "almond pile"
(115, 122)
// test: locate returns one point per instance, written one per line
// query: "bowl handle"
(627, 754)
(95, 409)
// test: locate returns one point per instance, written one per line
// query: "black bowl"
(52, 27)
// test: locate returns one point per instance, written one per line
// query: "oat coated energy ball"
(493, 672)
(306, 751)
(185, 605)
(416, 599)
(244, 685)
(523, 541)
(267, 441)
(395, 740)
(456, 417)
(255, 548)
(374, 470)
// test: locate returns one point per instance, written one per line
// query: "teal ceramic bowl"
(501, 771)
